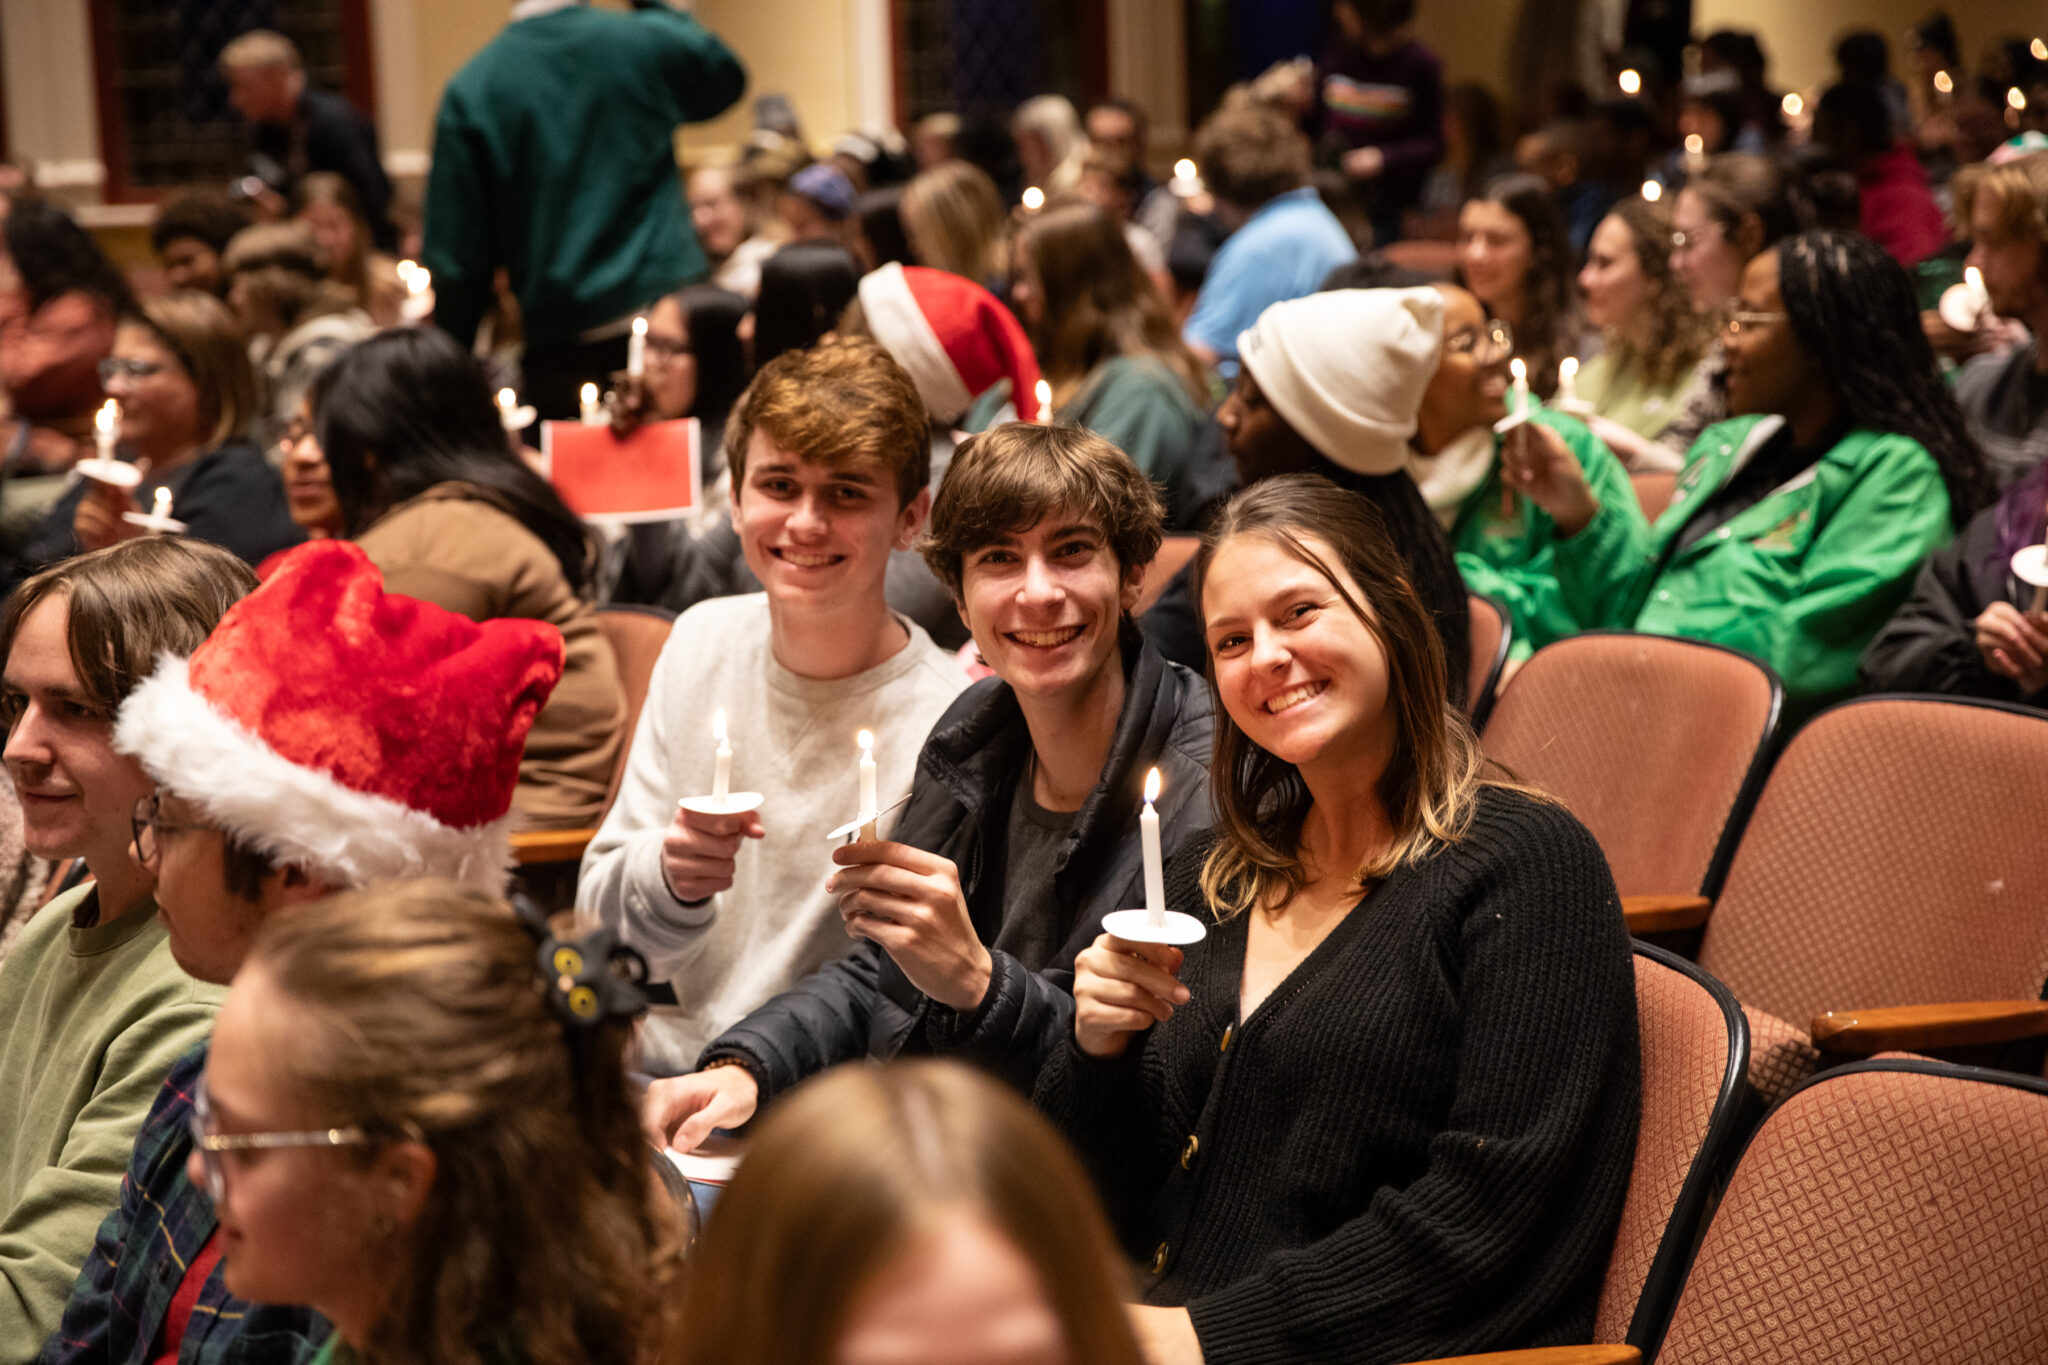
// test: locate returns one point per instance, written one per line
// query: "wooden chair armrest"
(1662, 914)
(1548, 1355)
(1926, 1028)
(530, 846)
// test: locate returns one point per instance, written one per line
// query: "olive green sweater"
(91, 1020)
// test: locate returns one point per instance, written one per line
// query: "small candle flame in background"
(1695, 145)
(1184, 169)
(1652, 191)
(108, 417)
(1944, 83)
(507, 400)
(162, 508)
(1044, 401)
(1793, 105)
(1631, 81)
(1034, 199)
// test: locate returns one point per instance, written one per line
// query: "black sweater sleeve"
(1513, 1215)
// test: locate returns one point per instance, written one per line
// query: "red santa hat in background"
(954, 337)
(348, 731)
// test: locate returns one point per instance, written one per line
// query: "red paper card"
(652, 475)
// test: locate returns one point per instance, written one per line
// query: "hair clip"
(590, 979)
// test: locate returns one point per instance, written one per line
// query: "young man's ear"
(405, 1173)
(1133, 587)
(910, 522)
(289, 885)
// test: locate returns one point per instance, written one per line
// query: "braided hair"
(1852, 309)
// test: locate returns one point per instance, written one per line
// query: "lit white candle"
(1695, 151)
(721, 775)
(107, 428)
(593, 416)
(1979, 295)
(636, 349)
(867, 785)
(1155, 867)
(160, 507)
(1521, 374)
(1044, 401)
(1033, 199)
(1568, 381)
(508, 408)
(419, 292)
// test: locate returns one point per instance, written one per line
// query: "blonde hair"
(199, 330)
(841, 403)
(260, 48)
(1431, 783)
(955, 213)
(849, 1170)
(2017, 192)
(421, 1015)
(1099, 303)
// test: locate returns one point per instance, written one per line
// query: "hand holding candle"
(723, 801)
(1155, 923)
(511, 416)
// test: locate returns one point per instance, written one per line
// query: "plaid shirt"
(118, 1306)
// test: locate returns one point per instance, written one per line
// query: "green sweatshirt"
(1801, 580)
(554, 157)
(1508, 557)
(1141, 406)
(90, 1022)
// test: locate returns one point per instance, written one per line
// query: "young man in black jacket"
(1021, 832)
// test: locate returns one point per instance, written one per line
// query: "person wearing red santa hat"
(326, 735)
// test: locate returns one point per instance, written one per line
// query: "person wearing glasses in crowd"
(257, 810)
(93, 1010)
(1796, 528)
(181, 373)
(447, 1161)
(1503, 542)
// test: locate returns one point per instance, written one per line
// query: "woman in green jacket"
(1796, 527)
(1503, 543)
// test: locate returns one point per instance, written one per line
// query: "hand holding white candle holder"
(1519, 404)
(512, 416)
(723, 800)
(2030, 565)
(1155, 923)
(103, 468)
(158, 521)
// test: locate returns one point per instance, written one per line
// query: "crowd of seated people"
(1064, 539)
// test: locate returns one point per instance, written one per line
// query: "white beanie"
(1347, 369)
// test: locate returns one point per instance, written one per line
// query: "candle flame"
(588, 393)
(2016, 97)
(507, 399)
(1694, 144)
(718, 725)
(108, 418)
(1631, 81)
(163, 503)
(417, 280)
(2039, 48)
(867, 742)
(1944, 83)
(1975, 277)
(1793, 106)
(1044, 401)
(1184, 169)
(1568, 369)
(1519, 370)
(640, 327)
(1652, 191)
(1034, 199)
(1151, 786)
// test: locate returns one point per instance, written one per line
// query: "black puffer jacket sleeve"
(1930, 645)
(823, 1020)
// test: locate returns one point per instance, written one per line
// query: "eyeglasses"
(295, 431)
(210, 1144)
(1682, 240)
(661, 348)
(120, 367)
(1497, 337)
(1737, 321)
(148, 823)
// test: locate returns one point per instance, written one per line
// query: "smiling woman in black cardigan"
(1387, 1110)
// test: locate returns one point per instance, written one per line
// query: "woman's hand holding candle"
(1535, 462)
(909, 903)
(2014, 644)
(1121, 989)
(99, 521)
(699, 853)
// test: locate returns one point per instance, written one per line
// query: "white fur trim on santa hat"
(907, 334)
(299, 816)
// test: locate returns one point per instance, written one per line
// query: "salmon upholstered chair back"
(1491, 634)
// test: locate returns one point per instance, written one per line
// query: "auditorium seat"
(1492, 635)
(1656, 744)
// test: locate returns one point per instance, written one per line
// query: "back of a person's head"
(853, 1171)
(1863, 55)
(1006, 480)
(417, 1012)
(844, 403)
(208, 216)
(2015, 193)
(1250, 153)
(1098, 302)
(804, 288)
(953, 215)
(1735, 185)
(130, 604)
(328, 187)
(280, 268)
(1051, 117)
(54, 255)
(713, 317)
(1852, 121)
(260, 49)
(200, 331)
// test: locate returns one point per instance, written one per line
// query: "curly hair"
(1682, 333)
(1851, 308)
(421, 1016)
(54, 255)
(1250, 154)
(1548, 329)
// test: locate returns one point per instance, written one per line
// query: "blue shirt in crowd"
(1282, 252)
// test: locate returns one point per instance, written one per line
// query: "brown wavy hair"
(844, 1176)
(1432, 780)
(840, 403)
(1682, 332)
(203, 335)
(421, 1011)
(1099, 304)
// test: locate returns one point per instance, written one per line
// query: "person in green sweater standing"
(1502, 542)
(554, 160)
(1796, 528)
(93, 1010)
